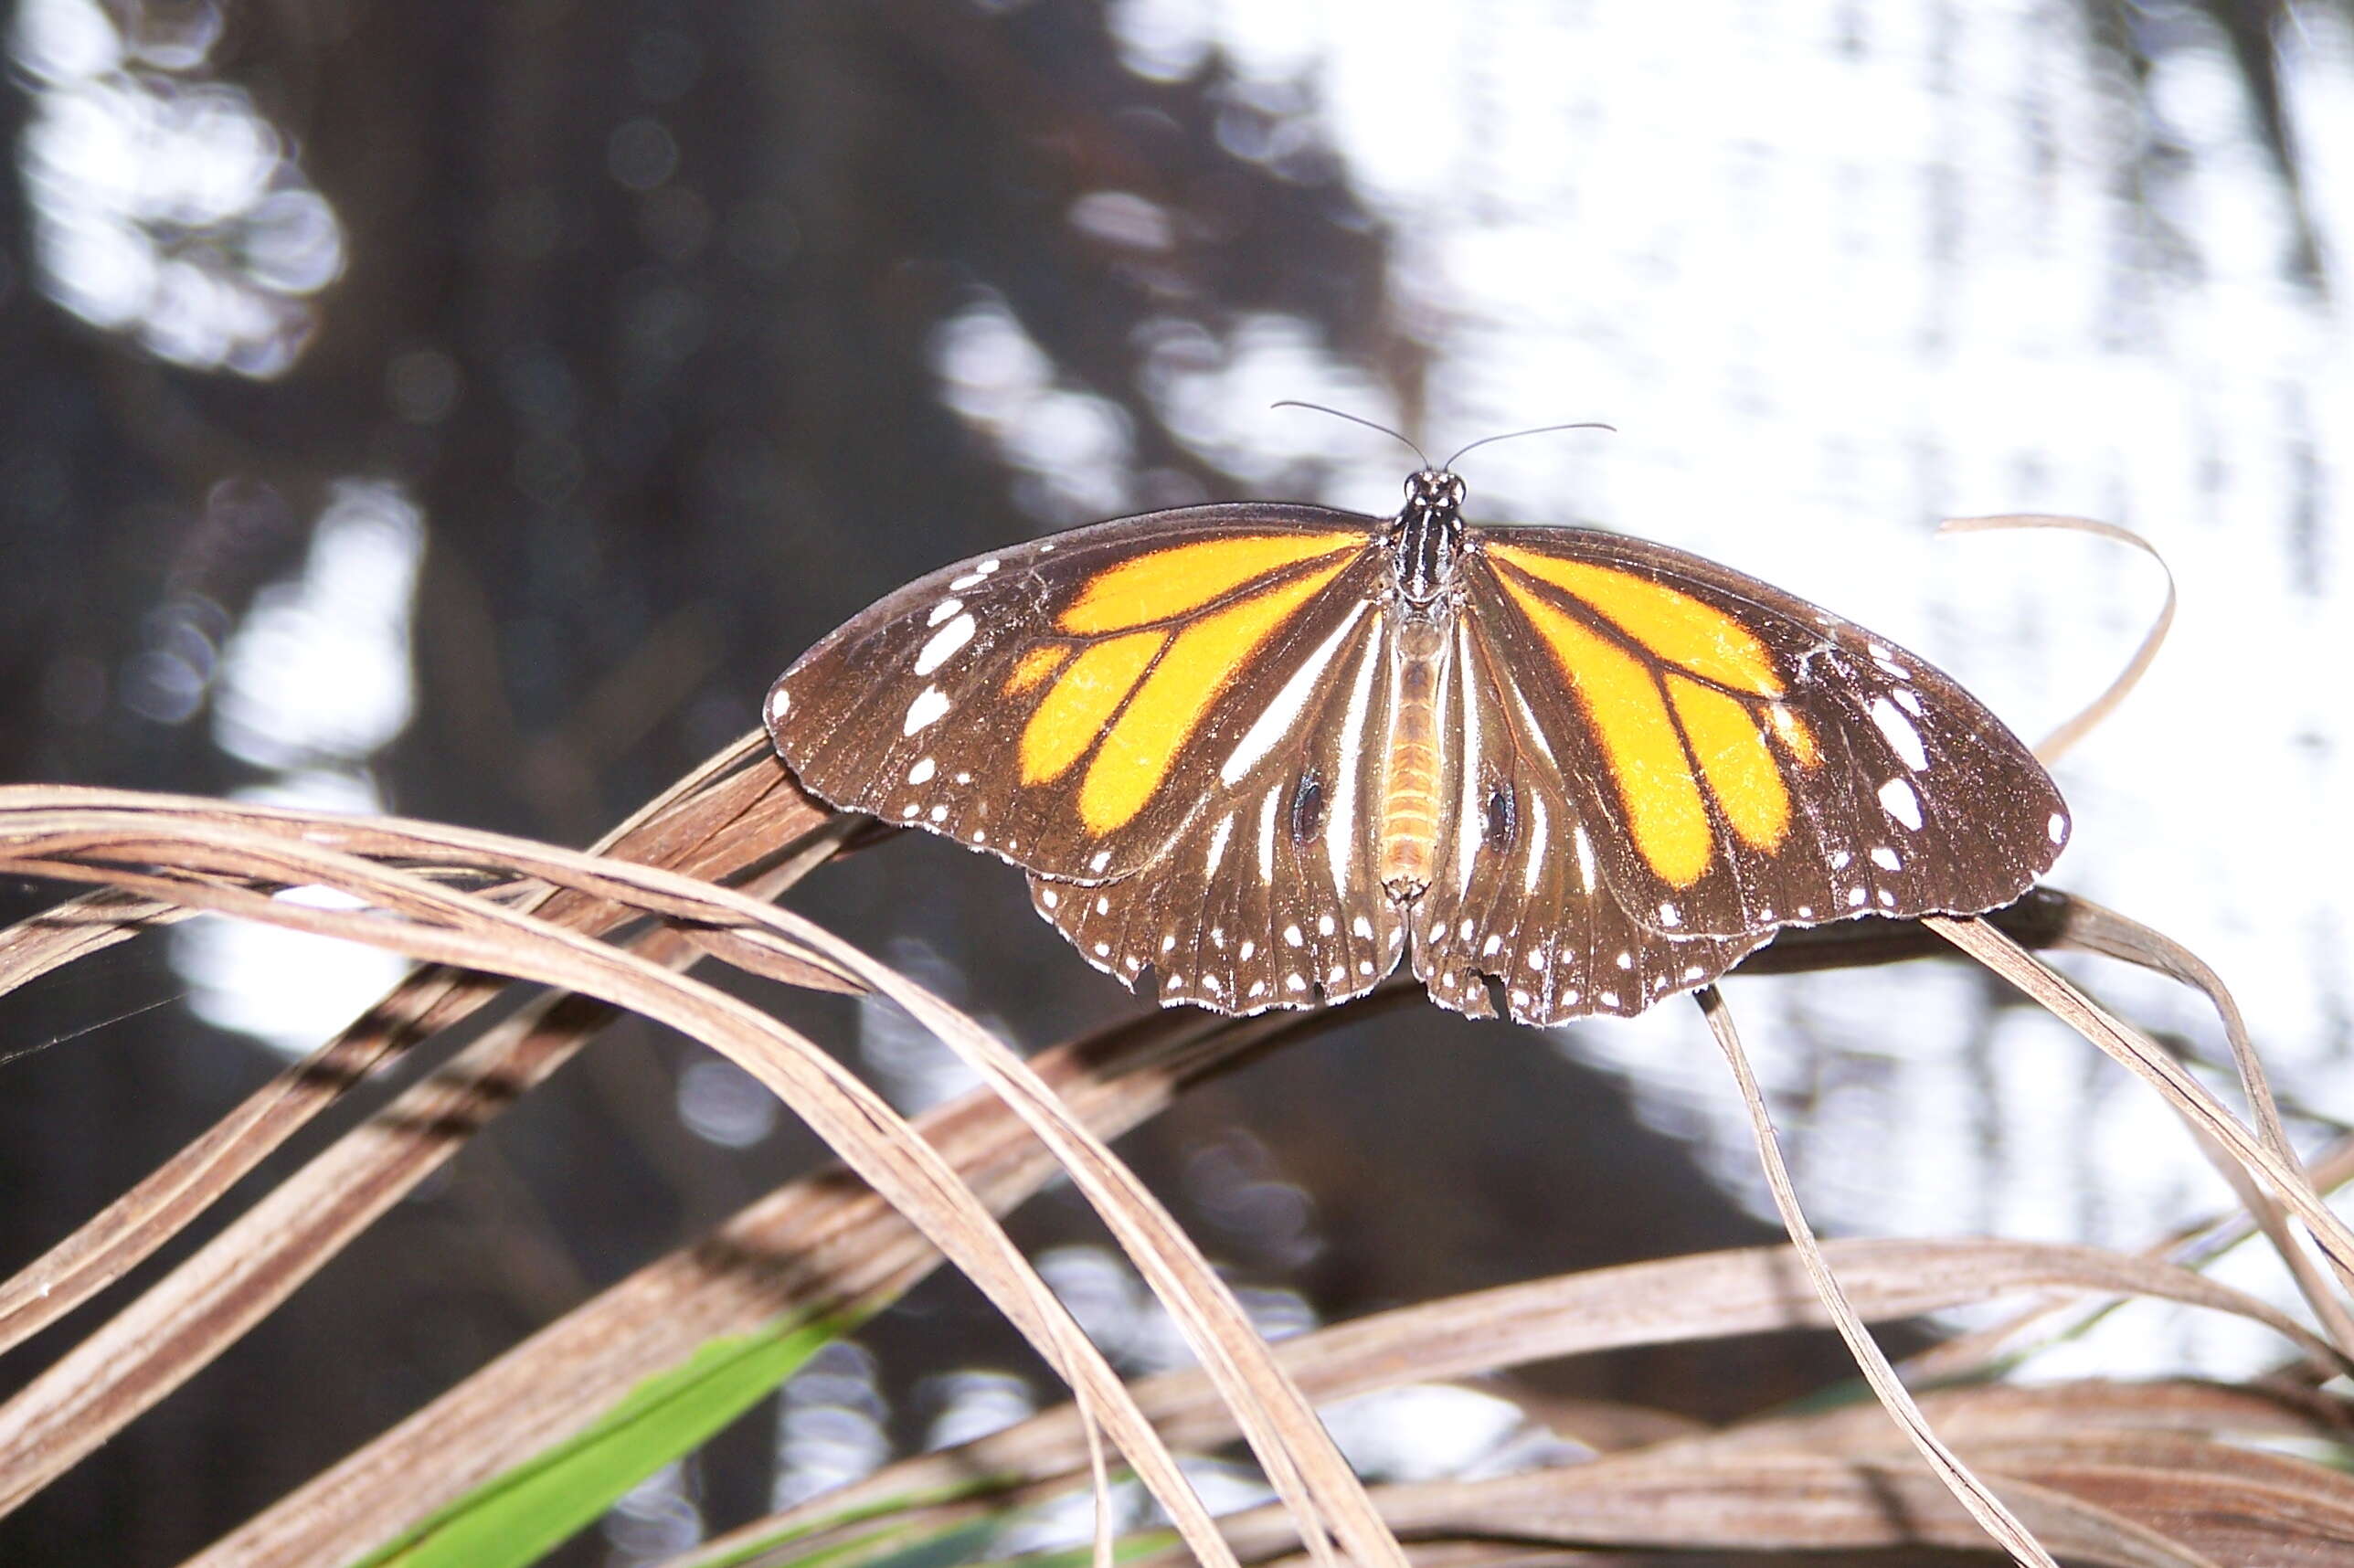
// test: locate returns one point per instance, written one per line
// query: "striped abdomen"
(1409, 797)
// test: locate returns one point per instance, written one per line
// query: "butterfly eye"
(1500, 822)
(1308, 809)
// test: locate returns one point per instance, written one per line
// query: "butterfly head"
(1434, 490)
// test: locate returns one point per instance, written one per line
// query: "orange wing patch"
(1170, 706)
(1072, 716)
(1035, 666)
(1674, 625)
(1733, 757)
(1639, 741)
(1169, 583)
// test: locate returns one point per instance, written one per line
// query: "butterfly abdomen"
(1409, 798)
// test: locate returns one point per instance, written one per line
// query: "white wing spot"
(1806, 911)
(1049, 897)
(1536, 959)
(1488, 950)
(1363, 927)
(1249, 948)
(1886, 859)
(1168, 942)
(1218, 936)
(1906, 741)
(942, 610)
(1100, 858)
(1891, 667)
(1210, 984)
(1896, 798)
(1293, 935)
(1323, 925)
(940, 813)
(1855, 897)
(910, 809)
(1103, 949)
(964, 778)
(926, 710)
(1694, 972)
(779, 700)
(922, 773)
(1669, 914)
(1103, 904)
(944, 642)
(1258, 988)
(987, 566)
(1464, 932)
(2057, 829)
(1294, 982)
(1609, 998)
(1909, 700)
(1840, 860)
(1521, 998)
(1626, 960)
(970, 581)
(1887, 899)
(981, 835)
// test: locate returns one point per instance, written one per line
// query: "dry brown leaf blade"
(95, 832)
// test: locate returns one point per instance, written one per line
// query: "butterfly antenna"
(1538, 430)
(1321, 409)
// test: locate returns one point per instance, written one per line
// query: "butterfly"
(1261, 752)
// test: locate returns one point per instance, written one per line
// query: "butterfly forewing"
(1742, 759)
(1066, 704)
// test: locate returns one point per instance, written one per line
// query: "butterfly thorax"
(1424, 543)
(1425, 539)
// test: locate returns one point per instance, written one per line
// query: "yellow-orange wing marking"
(1735, 760)
(1072, 716)
(1035, 666)
(1674, 625)
(1199, 666)
(1176, 581)
(1639, 741)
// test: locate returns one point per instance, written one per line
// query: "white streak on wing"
(1536, 844)
(1469, 820)
(1267, 837)
(1529, 725)
(1901, 734)
(1341, 838)
(943, 643)
(942, 610)
(929, 704)
(1584, 861)
(1284, 712)
(1219, 845)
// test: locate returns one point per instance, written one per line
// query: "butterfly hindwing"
(1269, 896)
(1063, 703)
(1518, 892)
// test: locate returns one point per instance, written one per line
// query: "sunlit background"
(466, 410)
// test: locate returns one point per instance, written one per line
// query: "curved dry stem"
(2150, 1062)
(2063, 739)
(1990, 1511)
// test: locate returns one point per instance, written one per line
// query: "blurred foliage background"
(466, 410)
